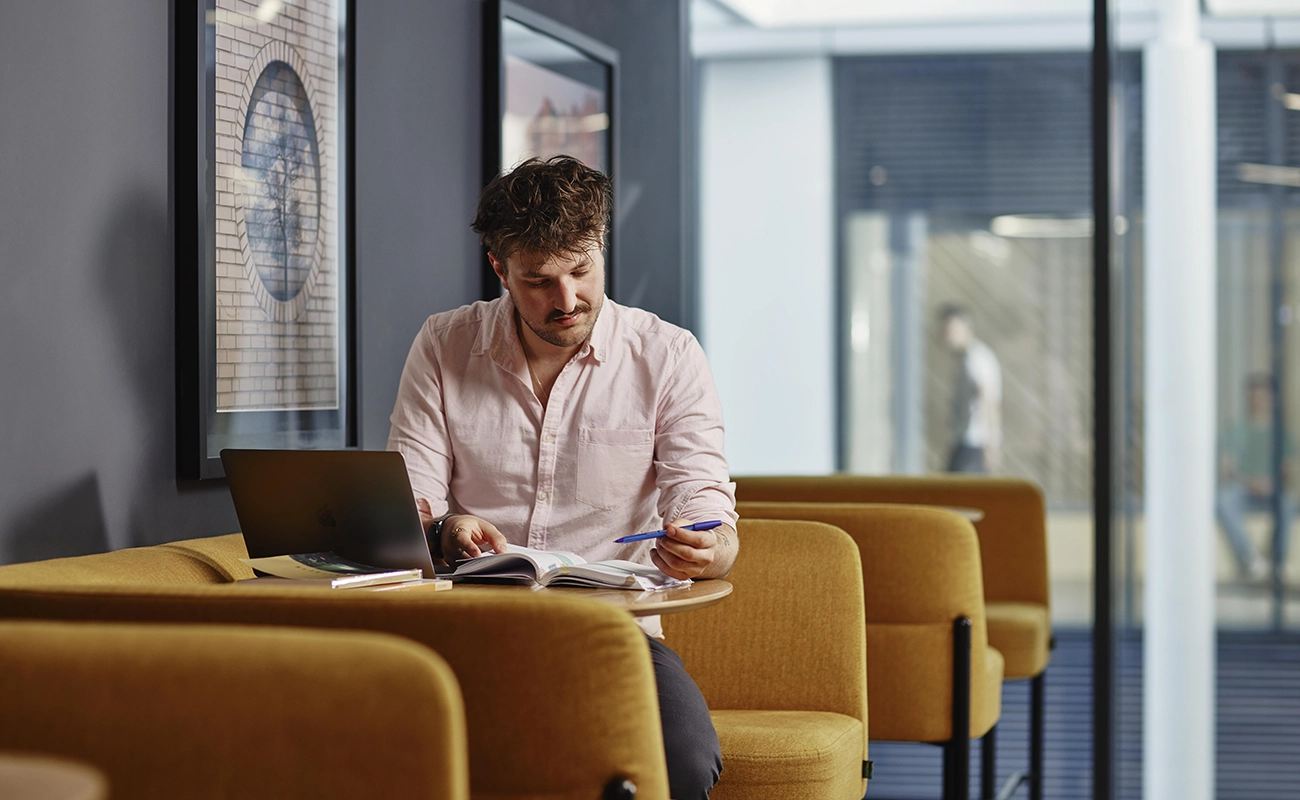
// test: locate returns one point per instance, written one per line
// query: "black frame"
(495, 13)
(193, 220)
(1104, 661)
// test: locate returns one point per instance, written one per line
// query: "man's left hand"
(685, 554)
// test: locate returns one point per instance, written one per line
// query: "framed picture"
(262, 109)
(549, 90)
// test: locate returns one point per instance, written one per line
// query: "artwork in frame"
(549, 90)
(263, 134)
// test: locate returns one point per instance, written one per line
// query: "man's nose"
(567, 298)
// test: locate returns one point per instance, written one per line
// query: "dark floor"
(1258, 725)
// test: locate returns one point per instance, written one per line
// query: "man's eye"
(579, 273)
(537, 284)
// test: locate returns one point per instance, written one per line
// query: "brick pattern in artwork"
(276, 185)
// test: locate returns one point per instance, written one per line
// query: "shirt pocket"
(613, 465)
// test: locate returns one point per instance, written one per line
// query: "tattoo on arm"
(726, 540)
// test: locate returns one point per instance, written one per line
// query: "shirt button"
(548, 438)
(541, 497)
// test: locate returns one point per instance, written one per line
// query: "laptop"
(358, 504)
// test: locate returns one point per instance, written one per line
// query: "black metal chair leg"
(957, 752)
(1036, 702)
(619, 789)
(988, 764)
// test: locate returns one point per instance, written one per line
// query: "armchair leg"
(1036, 702)
(956, 753)
(988, 764)
(619, 789)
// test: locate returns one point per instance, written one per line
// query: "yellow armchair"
(931, 675)
(214, 711)
(559, 692)
(1013, 553)
(782, 664)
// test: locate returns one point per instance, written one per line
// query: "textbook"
(338, 571)
(529, 567)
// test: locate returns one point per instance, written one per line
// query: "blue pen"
(699, 526)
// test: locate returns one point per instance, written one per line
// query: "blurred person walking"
(976, 396)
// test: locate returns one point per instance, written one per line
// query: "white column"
(767, 259)
(1179, 149)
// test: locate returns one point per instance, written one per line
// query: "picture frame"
(263, 209)
(548, 89)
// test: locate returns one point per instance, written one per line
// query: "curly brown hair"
(559, 205)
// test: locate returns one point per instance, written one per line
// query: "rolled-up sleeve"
(419, 424)
(690, 465)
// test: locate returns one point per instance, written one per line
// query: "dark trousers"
(965, 458)
(690, 743)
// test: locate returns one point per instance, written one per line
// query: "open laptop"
(358, 504)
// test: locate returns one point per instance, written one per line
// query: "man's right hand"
(467, 536)
(463, 535)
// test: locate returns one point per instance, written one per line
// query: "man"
(553, 417)
(1246, 479)
(976, 396)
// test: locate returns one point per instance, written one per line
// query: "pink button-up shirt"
(631, 435)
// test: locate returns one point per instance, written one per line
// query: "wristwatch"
(434, 534)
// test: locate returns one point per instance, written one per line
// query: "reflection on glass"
(556, 100)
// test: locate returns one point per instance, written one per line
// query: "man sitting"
(555, 418)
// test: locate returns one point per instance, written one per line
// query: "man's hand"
(684, 554)
(463, 535)
(467, 536)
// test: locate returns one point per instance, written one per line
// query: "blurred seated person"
(1246, 478)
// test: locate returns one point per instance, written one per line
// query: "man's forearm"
(728, 547)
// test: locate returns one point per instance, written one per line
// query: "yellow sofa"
(166, 711)
(559, 693)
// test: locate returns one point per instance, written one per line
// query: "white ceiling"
(839, 13)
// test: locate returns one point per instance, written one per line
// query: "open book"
(330, 569)
(523, 565)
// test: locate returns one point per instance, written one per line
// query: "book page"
(615, 574)
(518, 563)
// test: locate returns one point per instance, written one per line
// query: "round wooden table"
(700, 594)
(31, 777)
(972, 514)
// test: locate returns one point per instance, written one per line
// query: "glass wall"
(1256, 395)
(896, 268)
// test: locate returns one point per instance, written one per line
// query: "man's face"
(956, 333)
(1261, 401)
(558, 295)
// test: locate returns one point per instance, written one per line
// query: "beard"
(550, 331)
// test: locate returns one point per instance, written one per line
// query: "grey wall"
(87, 424)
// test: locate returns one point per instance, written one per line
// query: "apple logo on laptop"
(326, 517)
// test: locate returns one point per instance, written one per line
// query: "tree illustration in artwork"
(280, 209)
(280, 175)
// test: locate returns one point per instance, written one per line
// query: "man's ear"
(498, 267)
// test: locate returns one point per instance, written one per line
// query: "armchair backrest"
(789, 638)
(920, 572)
(1012, 534)
(208, 711)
